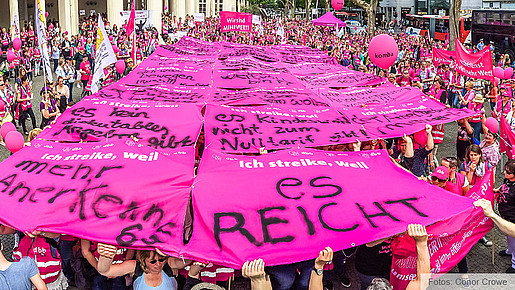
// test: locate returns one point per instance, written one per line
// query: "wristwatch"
(318, 271)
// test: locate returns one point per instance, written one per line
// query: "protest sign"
(380, 121)
(142, 20)
(163, 94)
(449, 240)
(478, 65)
(242, 129)
(97, 119)
(199, 17)
(101, 191)
(309, 200)
(278, 96)
(235, 21)
(243, 79)
(169, 76)
(355, 97)
(342, 79)
(442, 56)
(507, 138)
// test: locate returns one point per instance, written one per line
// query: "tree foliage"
(454, 23)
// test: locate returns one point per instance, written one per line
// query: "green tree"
(370, 7)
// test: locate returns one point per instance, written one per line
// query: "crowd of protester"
(87, 264)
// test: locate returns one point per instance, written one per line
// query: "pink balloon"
(499, 72)
(2, 107)
(508, 73)
(120, 66)
(420, 138)
(383, 50)
(110, 38)
(10, 56)
(337, 4)
(51, 26)
(166, 7)
(66, 33)
(492, 125)
(6, 128)
(14, 141)
(355, 28)
(17, 43)
(11, 65)
(46, 14)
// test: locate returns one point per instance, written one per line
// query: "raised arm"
(419, 234)
(255, 271)
(504, 225)
(316, 279)
(105, 262)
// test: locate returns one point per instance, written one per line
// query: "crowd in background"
(87, 264)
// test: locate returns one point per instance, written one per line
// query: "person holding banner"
(150, 269)
(506, 205)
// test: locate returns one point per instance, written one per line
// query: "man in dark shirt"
(506, 201)
(414, 159)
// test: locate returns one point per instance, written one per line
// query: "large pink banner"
(286, 206)
(341, 79)
(246, 129)
(478, 65)
(235, 21)
(277, 96)
(244, 79)
(120, 193)
(380, 121)
(158, 125)
(449, 242)
(158, 93)
(355, 97)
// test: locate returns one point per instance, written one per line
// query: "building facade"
(68, 12)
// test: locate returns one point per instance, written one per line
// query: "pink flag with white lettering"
(449, 240)
(235, 21)
(309, 200)
(120, 193)
(476, 65)
(158, 125)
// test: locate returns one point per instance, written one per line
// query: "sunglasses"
(436, 179)
(160, 260)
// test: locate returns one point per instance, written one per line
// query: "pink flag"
(309, 200)
(99, 191)
(235, 21)
(449, 240)
(97, 119)
(132, 18)
(442, 56)
(507, 138)
(478, 65)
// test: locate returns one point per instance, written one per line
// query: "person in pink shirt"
(85, 71)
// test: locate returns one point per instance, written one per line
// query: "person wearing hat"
(503, 107)
(481, 44)
(48, 107)
(130, 67)
(490, 149)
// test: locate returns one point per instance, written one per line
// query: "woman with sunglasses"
(151, 269)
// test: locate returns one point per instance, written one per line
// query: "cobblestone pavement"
(479, 259)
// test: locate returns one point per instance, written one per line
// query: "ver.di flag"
(42, 40)
(104, 55)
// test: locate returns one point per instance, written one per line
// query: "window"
(202, 6)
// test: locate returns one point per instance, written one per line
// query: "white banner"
(42, 40)
(256, 19)
(198, 17)
(143, 19)
(16, 25)
(104, 55)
